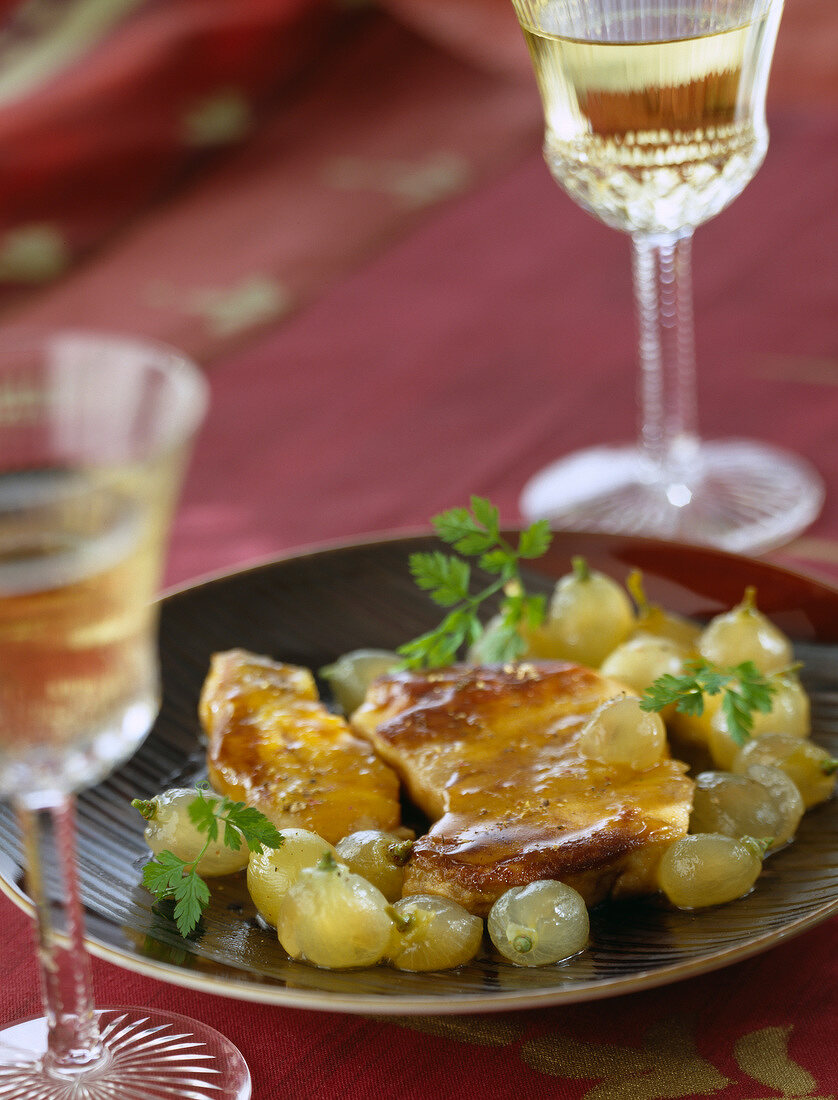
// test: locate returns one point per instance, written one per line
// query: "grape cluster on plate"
(726, 697)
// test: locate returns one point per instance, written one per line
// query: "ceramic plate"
(309, 609)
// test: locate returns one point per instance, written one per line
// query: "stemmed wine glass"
(655, 121)
(94, 434)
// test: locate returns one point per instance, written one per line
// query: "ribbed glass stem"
(49, 839)
(668, 402)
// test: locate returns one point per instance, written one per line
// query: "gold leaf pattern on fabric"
(221, 118)
(764, 1056)
(227, 311)
(487, 1031)
(667, 1065)
(412, 183)
(34, 253)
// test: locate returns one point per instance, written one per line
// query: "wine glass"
(655, 121)
(94, 433)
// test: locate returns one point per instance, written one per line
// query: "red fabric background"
(447, 333)
(100, 138)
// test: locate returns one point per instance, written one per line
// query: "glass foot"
(740, 496)
(150, 1055)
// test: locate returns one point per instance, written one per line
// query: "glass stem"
(668, 401)
(49, 841)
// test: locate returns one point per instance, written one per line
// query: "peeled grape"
(619, 732)
(709, 869)
(272, 872)
(745, 634)
(170, 828)
(763, 804)
(589, 615)
(541, 923)
(335, 919)
(809, 766)
(654, 620)
(351, 675)
(434, 933)
(377, 856)
(786, 797)
(638, 662)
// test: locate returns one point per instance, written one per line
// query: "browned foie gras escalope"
(275, 746)
(491, 755)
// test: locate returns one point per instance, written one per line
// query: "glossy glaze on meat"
(491, 755)
(273, 745)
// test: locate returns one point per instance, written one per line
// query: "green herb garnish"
(475, 533)
(743, 687)
(169, 876)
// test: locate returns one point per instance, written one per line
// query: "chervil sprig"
(743, 687)
(475, 532)
(171, 876)
(240, 822)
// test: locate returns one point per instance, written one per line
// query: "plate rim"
(406, 534)
(415, 1004)
(454, 1004)
(458, 1004)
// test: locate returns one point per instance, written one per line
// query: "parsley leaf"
(192, 896)
(475, 532)
(536, 540)
(257, 830)
(447, 579)
(202, 814)
(168, 876)
(161, 874)
(743, 687)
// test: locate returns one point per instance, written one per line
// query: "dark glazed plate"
(311, 608)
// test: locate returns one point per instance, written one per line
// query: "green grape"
(541, 923)
(809, 766)
(709, 869)
(589, 615)
(272, 872)
(335, 919)
(377, 856)
(745, 634)
(619, 732)
(434, 933)
(786, 797)
(638, 662)
(351, 675)
(765, 804)
(170, 828)
(653, 620)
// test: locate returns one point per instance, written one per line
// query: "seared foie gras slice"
(492, 755)
(273, 745)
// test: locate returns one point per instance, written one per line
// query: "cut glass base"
(150, 1055)
(740, 496)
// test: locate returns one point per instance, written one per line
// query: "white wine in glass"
(654, 122)
(94, 434)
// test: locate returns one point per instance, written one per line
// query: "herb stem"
(475, 532)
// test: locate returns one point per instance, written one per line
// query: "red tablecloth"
(437, 346)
